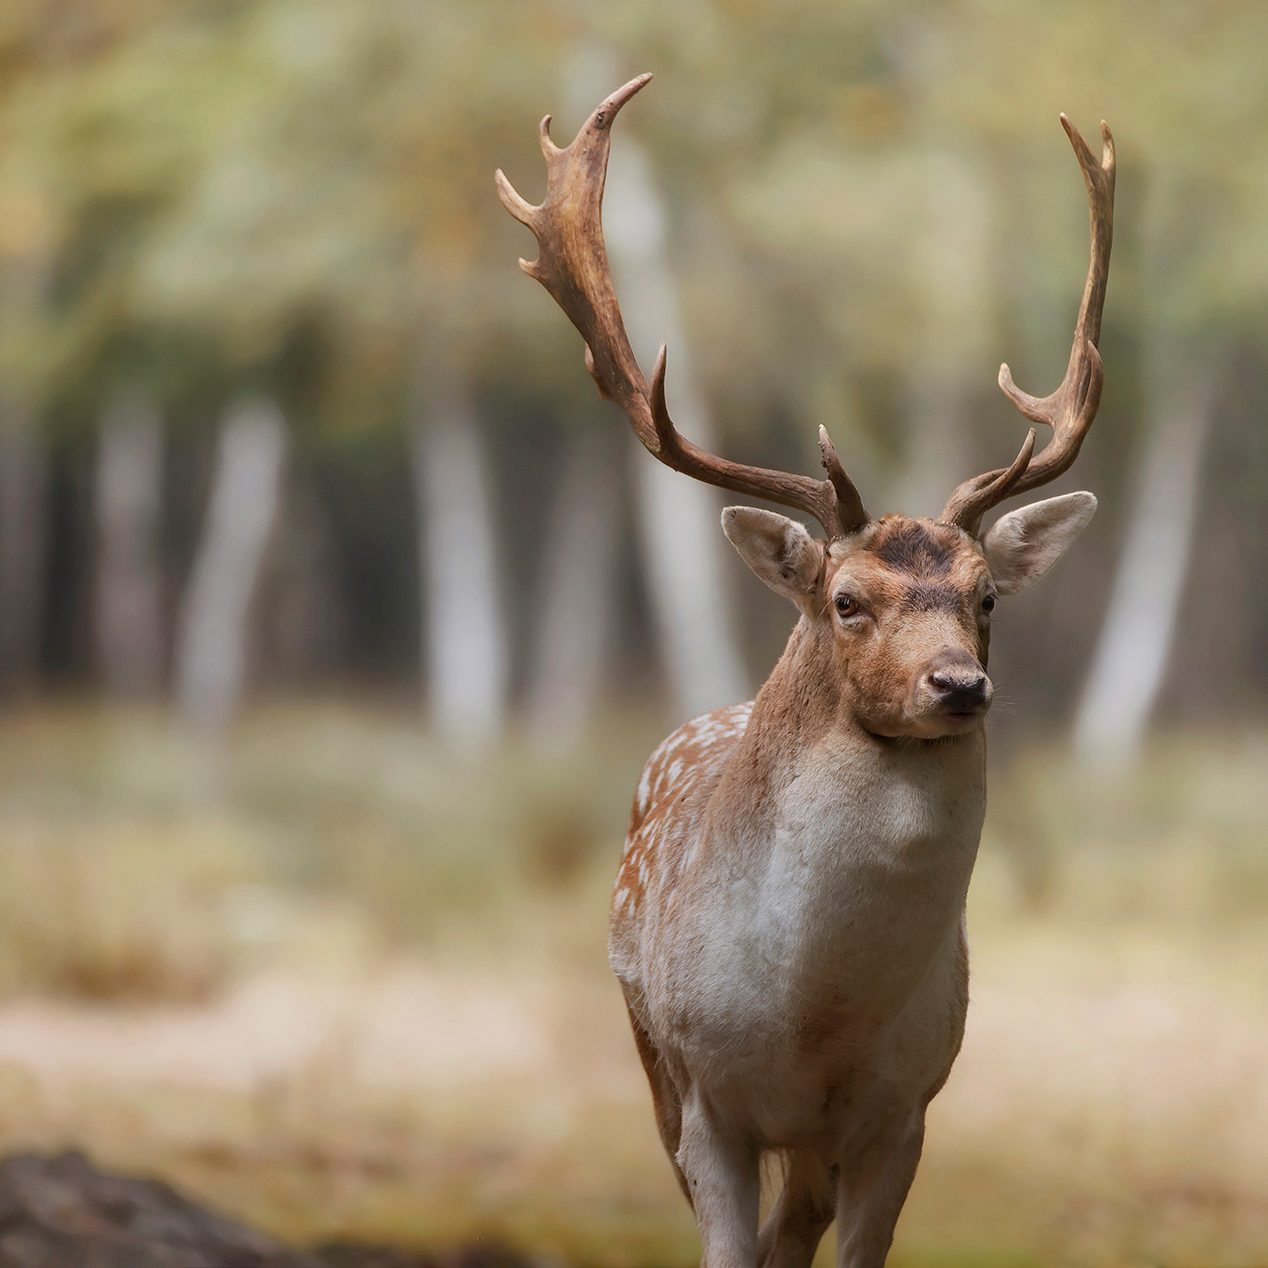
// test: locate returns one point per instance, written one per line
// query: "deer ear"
(1022, 545)
(778, 550)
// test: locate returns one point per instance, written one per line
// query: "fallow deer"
(788, 922)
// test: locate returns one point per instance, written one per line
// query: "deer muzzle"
(957, 686)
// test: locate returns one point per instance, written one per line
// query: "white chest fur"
(809, 939)
(868, 868)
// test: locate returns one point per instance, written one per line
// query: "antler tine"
(1069, 410)
(572, 265)
(975, 497)
(834, 502)
(849, 504)
(572, 261)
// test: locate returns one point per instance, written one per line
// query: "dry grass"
(342, 982)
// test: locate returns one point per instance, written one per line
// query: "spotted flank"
(684, 764)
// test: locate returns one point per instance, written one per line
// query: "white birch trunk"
(23, 536)
(1130, 661)
(128, 625)
(464, 643)
(573, 631)
(679, 530)
(214, 625)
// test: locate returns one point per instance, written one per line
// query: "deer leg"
(665, 1100)
(797, 1222)
(871, 1191)
(723, 1182)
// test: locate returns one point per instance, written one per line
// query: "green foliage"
(230, 185)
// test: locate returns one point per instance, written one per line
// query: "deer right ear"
(1022, 545)
(777, 549)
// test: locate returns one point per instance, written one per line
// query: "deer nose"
(960, 688)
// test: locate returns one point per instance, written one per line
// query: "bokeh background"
(337, 613)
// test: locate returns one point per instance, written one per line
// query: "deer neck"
(840, 848)
(805, 745)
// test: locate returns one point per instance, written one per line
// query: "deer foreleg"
(723, 1181)
(871, 1192)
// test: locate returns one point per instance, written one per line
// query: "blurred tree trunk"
(575, 615)
(1127, 668)
(23, 528)
(128, 626)
(464, 642)
(682, 543)
(245, 492)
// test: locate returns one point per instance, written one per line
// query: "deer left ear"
(1022, 545)
(777, 549)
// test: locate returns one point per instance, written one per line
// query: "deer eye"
(846, 605)
(988, 603)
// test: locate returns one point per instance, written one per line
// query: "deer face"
(902, 608)
(908, 611)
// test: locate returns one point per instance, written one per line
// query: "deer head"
(899, 607)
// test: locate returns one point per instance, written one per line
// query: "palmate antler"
(1069, 410)
(573, 266)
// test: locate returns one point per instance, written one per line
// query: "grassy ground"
(342, 982)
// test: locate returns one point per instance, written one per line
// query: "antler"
(573, 266)
(1069, 410)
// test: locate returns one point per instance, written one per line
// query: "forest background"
(337, 613)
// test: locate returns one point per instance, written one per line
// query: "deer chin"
(944, 725)
(940, 722)
(934, 722)
(928, 732)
